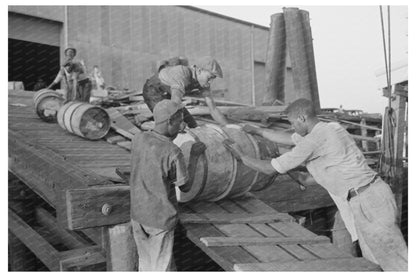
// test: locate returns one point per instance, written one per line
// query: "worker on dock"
(78, 85)
(175, 78)
(157, 166)
(366, 203)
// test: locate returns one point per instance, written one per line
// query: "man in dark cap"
(175, 78)
(157, 167)
(77, 83)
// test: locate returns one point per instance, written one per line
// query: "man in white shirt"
(331, 156)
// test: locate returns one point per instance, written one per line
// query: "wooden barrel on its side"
(47, 104)
(218, 174)
(85, 120)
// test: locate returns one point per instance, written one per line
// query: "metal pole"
(253, 85)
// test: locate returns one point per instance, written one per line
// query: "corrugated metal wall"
(127, 41)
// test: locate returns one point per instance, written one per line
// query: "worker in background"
(78, 85)
(40, 84)
(157, 166)
(366, 203)
(175, 78)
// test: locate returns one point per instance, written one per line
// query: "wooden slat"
(81, 257)
(121, 124)
(235, 241)
(227, 218)
(254, 205)
(326, 251)
(68, 238)
(36, 243)
(346, 264)
(84, 206)
(261, 253)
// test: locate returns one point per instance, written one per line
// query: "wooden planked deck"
(51, 161)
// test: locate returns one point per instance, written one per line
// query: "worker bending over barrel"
(175, 78)
(77, 83)
(366, 203)
(157, 166)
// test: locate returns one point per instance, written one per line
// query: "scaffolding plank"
(345, 264)
(236, 241)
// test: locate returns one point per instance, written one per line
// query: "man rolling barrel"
(175, 78)
(157, 166)
(77, 83)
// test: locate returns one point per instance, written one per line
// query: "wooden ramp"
(240, 234)
(263, 239)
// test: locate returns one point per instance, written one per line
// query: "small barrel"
(218, 174)
(47, 104)
(84, 120)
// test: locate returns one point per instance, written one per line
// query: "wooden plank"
(252, 204)
(262, 253)
(346, 264)
(235, 241)
(36, 243)
(68, 238)
(82, 257)
(227, 218)
(326, 251)
(31, 161)
(121, 124)
(85, 206)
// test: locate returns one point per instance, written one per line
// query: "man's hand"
(251, 129)
(230, 145)
(198, 148)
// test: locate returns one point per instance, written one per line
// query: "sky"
(348, 48)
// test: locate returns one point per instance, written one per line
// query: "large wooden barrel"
(47, 104)
(218, 174)
(84, 120)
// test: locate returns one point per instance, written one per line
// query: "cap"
(70, 48)
(210, 65)
(164, 109)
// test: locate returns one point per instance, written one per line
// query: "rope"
(387, 162)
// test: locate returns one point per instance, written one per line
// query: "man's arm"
(263, 166)
(197, 150)
(215, 113)
(278, 136)
(58, 78)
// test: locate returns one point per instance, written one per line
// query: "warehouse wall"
(127, 41)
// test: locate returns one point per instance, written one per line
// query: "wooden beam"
(69, 238)
(35, 242)
(77, 258)
(46, 172)
(224, 218)
(97, 206)
(121, 124)
(238, 241)
(345, 264)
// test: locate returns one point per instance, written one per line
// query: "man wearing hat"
(157, 166)
(175, 78)
(74, 73)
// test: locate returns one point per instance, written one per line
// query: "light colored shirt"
(178, 78)
(331, 157)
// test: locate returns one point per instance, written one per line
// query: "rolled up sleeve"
(294, 158)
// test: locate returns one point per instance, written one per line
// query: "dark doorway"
(29, 61)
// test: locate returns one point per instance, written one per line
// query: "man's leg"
(379, 235)
(161, 250)
(143, 245)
